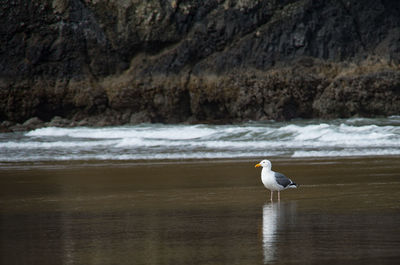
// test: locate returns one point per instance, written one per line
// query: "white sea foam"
(343, 153)
(50, 145)
(195, 155)
(353, 137)
(151, 132)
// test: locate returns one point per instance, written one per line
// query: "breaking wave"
(307, 138)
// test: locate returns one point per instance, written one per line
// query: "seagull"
(274, 181)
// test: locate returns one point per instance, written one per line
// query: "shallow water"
(200, 212)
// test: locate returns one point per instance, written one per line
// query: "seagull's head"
(264, 163)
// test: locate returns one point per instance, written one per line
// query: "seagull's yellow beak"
(258, 165)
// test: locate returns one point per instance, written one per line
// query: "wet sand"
(346, 211)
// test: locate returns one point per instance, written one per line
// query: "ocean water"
(302, 138)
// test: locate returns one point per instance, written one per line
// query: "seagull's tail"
(293, 185)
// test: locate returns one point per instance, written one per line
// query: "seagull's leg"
(271, 194)
(279, 196)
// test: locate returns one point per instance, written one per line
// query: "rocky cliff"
(107, 62)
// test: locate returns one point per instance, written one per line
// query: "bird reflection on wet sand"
(273, 215)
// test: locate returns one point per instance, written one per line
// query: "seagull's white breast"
(269, 181)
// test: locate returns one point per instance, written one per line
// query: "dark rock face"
(116, 62)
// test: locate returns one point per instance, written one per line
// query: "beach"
(206, 211)
(130, 131)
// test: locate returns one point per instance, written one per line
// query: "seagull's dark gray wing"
(282, 179)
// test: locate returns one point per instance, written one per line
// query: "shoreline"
(59, 164)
